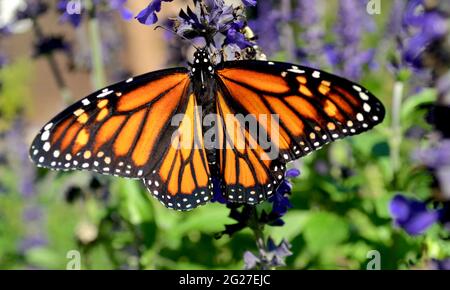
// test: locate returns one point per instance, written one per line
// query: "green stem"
(258, 232)
(98, 77)
(396, 139)
(54, 68)
(287, 32)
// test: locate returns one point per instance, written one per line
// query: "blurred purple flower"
(69, 14)
(427, 26)
(31, 242)
(73, 18)
(148, 15)
(412, 215)
(19, 159)
(309, 18)
(346, 55)
(3, 60)
(436, 156)
(266, 26)
(440, 264)
(31, 10)
(119, 6)
(395, 24)
(249, 2)
(32, 214)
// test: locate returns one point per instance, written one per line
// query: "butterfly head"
(202, 65)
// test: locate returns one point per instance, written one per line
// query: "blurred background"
(381, 196)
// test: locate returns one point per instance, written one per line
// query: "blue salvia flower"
(271, 257)
(148, 15)
(234, 35)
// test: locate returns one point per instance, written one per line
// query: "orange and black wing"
(296, 110)
(247, 171)
(126, 130)
(312, 107)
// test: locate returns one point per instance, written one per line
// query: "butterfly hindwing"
(182, 179)
(313, 107)
(248, 173)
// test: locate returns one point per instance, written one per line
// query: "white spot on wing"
(105, 93)
(48, 126)
(46, 146)
(364, 96)
(356, 88)
(360, 117)
(296, 70)
(45, 135)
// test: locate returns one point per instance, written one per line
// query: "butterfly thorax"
(202, 70)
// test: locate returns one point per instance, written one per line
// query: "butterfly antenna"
(181, 36)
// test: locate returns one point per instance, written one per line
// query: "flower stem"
(258, 232)
(396, 128)
(98, 78)
(54, 68)
(287, 32)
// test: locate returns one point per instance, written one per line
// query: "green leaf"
(410, 105)
(134, 203)
(294, 223)
(44, 258)
(324, 230)
(210, 219)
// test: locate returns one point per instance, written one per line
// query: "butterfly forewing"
(313, 107)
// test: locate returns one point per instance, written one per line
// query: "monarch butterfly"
(125, 128)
